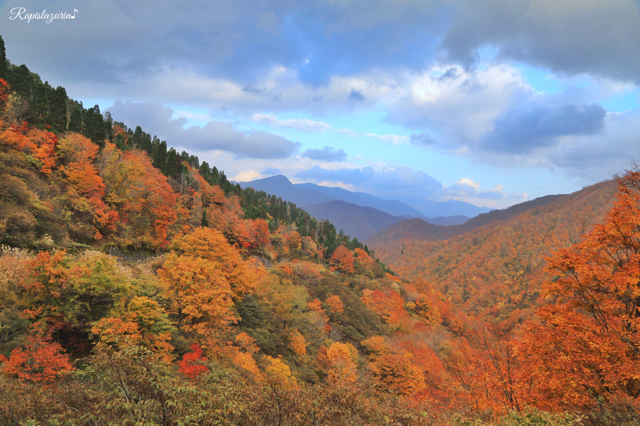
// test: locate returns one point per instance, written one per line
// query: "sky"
(491, 102)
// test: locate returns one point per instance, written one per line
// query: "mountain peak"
(274, 180)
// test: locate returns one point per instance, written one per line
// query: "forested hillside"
(423, 230)
(498, 269)
(139, 286)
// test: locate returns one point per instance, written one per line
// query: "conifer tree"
(20, 81)
(108, 126)
(57, 117)
(137, 136)
(40, 102)
(160, 157)
(172, 162)
(75, 122)
(3, 60)
(146, 143)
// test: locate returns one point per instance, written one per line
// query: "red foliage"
(4, 91)
(192, 363)
(40, 360)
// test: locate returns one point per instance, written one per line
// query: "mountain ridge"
(282, 187)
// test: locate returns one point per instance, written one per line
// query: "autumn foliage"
(225, 306)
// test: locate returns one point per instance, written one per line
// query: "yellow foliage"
(297, 343)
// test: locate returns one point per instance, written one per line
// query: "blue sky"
(491, 102)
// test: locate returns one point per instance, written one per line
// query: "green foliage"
(531, 417)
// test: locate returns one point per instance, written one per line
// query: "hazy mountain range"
(304, 194)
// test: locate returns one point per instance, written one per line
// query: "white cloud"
(393, 139)
(468, 182)
(298, 124)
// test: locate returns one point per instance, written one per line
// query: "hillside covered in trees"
(139, 286)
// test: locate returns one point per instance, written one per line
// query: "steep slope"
(497, 269)
(356, 221)
(422, 230)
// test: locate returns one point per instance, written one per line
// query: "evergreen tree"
(75, 123)
(108, 126)
(137, 136)
(3, 60)
(120, 142)
(146, 143)
(172, 162)
(205, 170)
(215, 176)
(40, 102)
(21, 81)
(94, 126)
(57, 117)
(160, 157)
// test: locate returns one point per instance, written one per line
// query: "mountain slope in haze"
(303, 194)
(434, 209)
(282, 187)
(497, 269)
(356, 221)
(392, 207)
(423, 230)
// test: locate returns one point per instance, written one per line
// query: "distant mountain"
(282, 187)
(421, 230)
(356, 221)
(434, 209)
(392, 207)
(304, 194)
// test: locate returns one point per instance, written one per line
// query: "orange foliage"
(295, 241)
(200, 294)
(297, 343)
(141, 194)
(335, 304)
(389, 305)
(39, 360)
(316, 307)
(340, 360)
(38, 143)
(116, 332)
(211, 245)
(427, 311)
(587, 346)
(342, 261)
(86, 183)
(363, 258)
(397, 373)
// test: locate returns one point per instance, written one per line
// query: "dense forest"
(140, 286)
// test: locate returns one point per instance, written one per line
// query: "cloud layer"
(215, 135)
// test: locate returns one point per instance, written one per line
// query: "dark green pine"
(75, 122)
(57, 117)
(21, 81)
(172, 162)
(3, 61)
